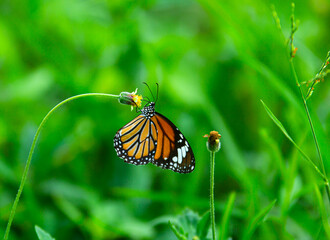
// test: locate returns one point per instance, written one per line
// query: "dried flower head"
(130, 99)
(213, 142)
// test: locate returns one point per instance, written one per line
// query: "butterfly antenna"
(146, 99)
(149, 90)
(157, 92)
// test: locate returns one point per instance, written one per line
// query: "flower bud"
(130, 99)
(213, 143)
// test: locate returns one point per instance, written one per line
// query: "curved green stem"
(212, 157)
(28, 162)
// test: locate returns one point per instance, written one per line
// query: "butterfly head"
(149, 109)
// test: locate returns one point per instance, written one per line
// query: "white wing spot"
(175, 159)
(179, 156)
(183, 149)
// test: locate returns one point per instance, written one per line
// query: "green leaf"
(42, 234)
(203, 225)
(257, 220)
(226, 215)
(189, 225)
(176, 231)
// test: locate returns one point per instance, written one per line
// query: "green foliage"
(214, 60)
(42, 234)
(256, 220)
(323, 211)
(189, 225)
(226, 216)
(281, 127)
(203, 226)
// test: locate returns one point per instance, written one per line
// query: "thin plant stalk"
(213, 145)
(326, 181)
(28, 162)
(293, 49)
(321, 74)
(212, 163)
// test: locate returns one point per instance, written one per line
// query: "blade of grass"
(226, 215)
(203, 225)
(323, 212)
(42, 234)
(281, 127)
(257, 220)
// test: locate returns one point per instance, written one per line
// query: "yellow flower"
(137, 99)
(130, 99)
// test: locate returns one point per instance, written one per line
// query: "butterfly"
(152, 138)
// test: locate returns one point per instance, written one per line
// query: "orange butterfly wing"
(156, 140)
(173, 150)
(136, 141)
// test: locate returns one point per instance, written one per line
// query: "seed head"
(213, 143)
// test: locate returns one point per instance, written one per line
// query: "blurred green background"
(213, 60)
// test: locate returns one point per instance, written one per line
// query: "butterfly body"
(152, 138)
